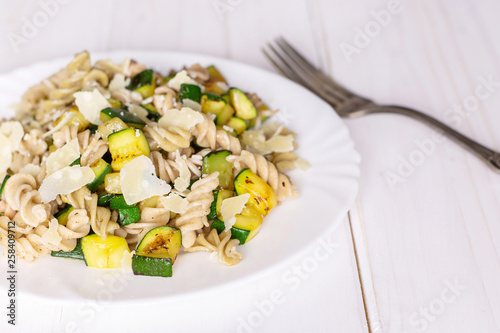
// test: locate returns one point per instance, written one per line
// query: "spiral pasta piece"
(199, 73)
(92, 147)
(200, 198)
(169, 140)
(284, 161)
(207, 135)
(168, 170)
(26, 249)
(33, 143)
(32, 97)
(20, 160)
(164, 99)
(62, 95)
(266, 170)
(100, 217)
(222, 247)
(21, 195)
(65, 135)
(109, 66)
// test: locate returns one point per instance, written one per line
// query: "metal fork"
(347, 104)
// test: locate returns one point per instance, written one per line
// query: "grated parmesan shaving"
(63, 157)
(181, 183)
(174, 203)
(117, 83)
(256, 141)
(180, 78)
(126, 261)
(5, 153)
(90, 104)
(232, 206)
(65, 181)
(14, 131)
(51, 235)
(184, 118)
(138, 181)
(189, 103)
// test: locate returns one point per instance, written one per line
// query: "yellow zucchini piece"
(101, 253)
(262, 197)
(112, 183)
(126, 145)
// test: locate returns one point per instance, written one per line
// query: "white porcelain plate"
(327, 191)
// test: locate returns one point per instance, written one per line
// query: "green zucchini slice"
(211, 103)
(105, 199)
(262, 197)
(126, 145)
(149, 266)
(76, 253)
(144, 83)
(161, 242)
(101, 168)
(128, 216)
(118, 202)
(126, 116)
(243, 107)
(216, 161)
(101, 253)
(225, 115)
(190, 91)
(62, 216)
(238, 124)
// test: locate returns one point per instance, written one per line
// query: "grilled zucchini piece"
(126, 145)
(262, 197)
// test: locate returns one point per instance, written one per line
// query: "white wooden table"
(420, 249)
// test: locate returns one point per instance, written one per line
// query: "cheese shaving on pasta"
(256, 141)
(189, 103)
(90, 104)
(14, 131)
(180, 78)
(138, 181)
(52, 236)
(126, 261)
(181, 183)
(185, 118)
(5, 153)
(65, 181)
(232, 206)
(175, 203)
(118, 82)
(63, 157)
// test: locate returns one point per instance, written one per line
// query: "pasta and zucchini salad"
(120, 166)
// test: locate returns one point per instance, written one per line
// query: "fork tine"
(282, 66)
(285, 67)
(307, 77)
(284, 44)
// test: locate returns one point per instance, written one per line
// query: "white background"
(418, 253)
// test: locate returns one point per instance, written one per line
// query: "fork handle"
(490, 156)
